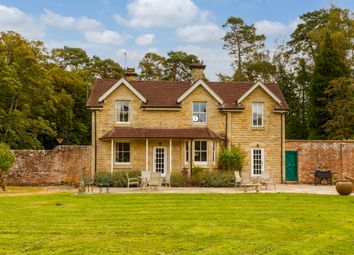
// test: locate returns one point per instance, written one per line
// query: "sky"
(110, 28)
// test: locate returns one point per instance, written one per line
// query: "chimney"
(130, 74)
(197, 71)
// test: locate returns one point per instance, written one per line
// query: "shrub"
(232, 160)
(119, 178)
(203, 178)
(7, 159)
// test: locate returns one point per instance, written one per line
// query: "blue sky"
(108, 28)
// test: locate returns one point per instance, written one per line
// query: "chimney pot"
(197, 71)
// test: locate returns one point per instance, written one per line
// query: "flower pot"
(344, 187)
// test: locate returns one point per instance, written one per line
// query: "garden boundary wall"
(312, 154)
(62, 165)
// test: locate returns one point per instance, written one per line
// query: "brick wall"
(335, 155)
(63, 164)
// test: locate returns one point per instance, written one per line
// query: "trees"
(175, 67)
(7, 158)
(243, 43)
(328, 66)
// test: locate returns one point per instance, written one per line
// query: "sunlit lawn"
(177, 224)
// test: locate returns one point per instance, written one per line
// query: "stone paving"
(280, 188)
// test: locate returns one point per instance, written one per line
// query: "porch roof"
(175, 133)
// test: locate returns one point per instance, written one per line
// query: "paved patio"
(284, 188)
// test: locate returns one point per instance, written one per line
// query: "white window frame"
(206, 151)
(186, 152)
(118, 111)
(256, 114)
(199, 112)
(116, 151)
(252, 161)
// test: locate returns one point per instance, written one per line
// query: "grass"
(177, 224)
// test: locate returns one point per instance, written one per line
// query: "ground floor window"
(257, 161)
(201, 151)
(214, 152)
(122, 152)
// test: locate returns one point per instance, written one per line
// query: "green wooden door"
(291, 166)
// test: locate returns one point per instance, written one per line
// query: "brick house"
(166, 126)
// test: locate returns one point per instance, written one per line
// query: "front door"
(159, 160)
(291, 166)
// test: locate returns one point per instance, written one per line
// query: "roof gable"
(116, 85)
(195, 86)
(261, 85)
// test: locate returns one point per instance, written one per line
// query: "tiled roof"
(165, 93)
(176, 133)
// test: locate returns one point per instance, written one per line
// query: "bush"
(203, 178)
(232, 160)
(119, 178)
(7, 159)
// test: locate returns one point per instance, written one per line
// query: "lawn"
(177, 224)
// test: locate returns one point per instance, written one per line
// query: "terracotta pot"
(344, 187)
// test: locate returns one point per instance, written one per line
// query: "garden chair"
(166, 180)
(144, 179)
(247, 182)
(132, 180)
(87, 182)
(104, 181)
(237, 179)
(154, 180)
(267, 179)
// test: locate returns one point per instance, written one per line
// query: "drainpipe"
(281, 148)
(226, 129)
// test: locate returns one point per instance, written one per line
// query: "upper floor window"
(123, 111)
(257, 115)
(201, 151)
(122, 153)
(199, 112)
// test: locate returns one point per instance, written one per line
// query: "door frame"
(154, 158)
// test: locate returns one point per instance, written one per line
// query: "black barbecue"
(321, 175)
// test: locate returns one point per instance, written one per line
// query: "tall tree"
(328, 66)
(241, 42)
(340, 110)
(152, 67)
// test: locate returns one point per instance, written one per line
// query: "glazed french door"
(160, 160)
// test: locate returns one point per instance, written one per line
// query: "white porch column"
(112, 156)
(170, 156)
(147, 157)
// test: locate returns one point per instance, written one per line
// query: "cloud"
(145, 39)
(104, 37)
(14, 19)
(66, 22)
(275, 29)
(200, 33)
(160, 13)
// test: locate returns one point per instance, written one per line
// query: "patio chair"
(144, 178)
(104, 181)
(87, 182)
(166, 180)
(237, 179)
(154, 180)
(247, 182)
(267, 179)
(132, 180)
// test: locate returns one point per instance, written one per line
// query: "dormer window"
(123, 111)
(199, 112)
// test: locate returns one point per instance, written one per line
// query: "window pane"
(197, 156)
(197, 145)
(202, 107)
(204, 156)
(204, 145)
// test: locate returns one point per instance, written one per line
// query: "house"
(165, 126)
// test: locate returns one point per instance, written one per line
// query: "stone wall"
(335, 155)
(63, 164)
